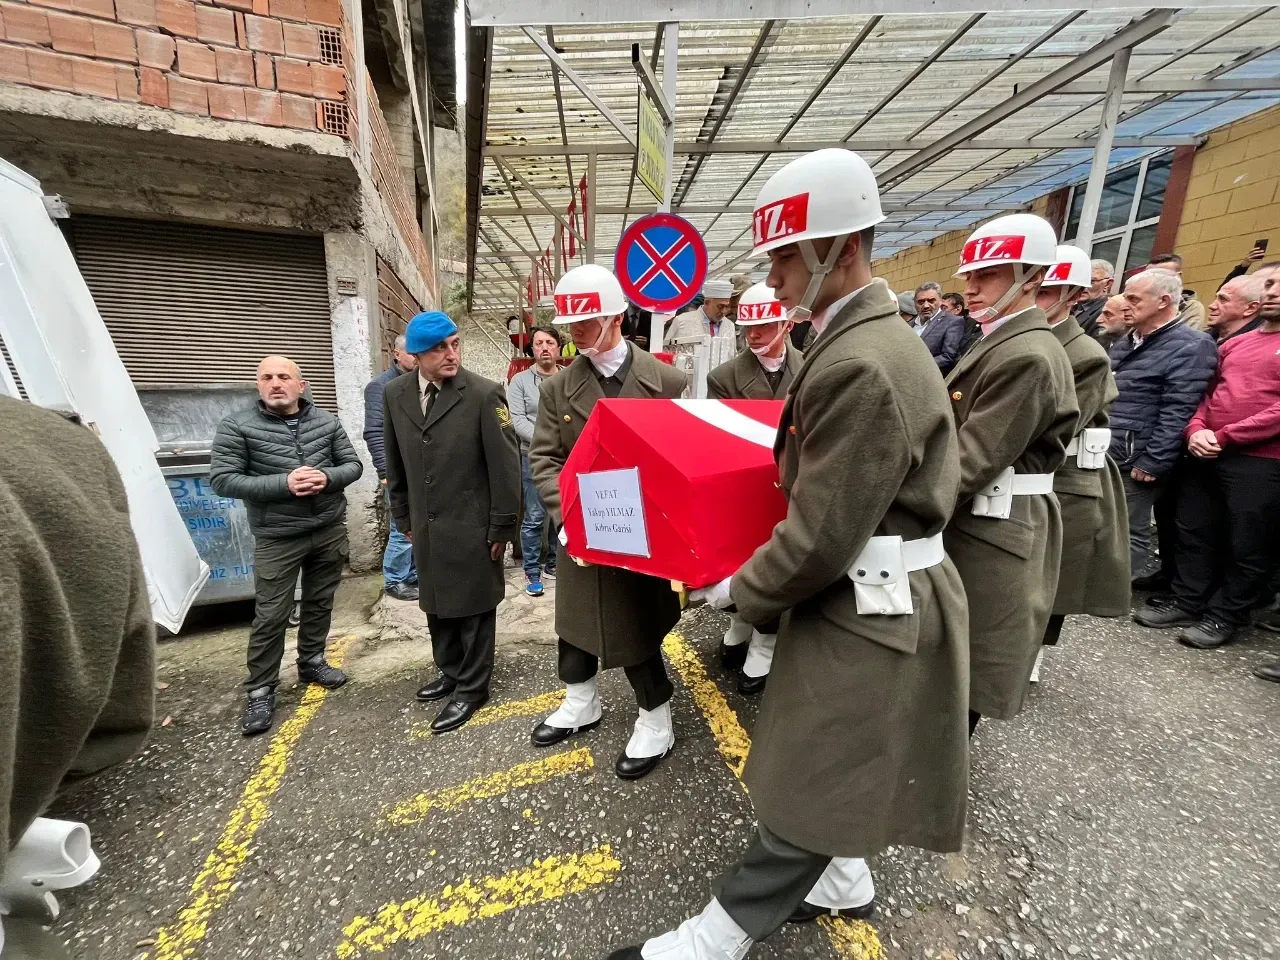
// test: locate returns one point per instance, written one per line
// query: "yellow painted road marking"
(470, 899)
(216, 880)
(851, 939)
(543, 703)
(732, 740)
(492, 785)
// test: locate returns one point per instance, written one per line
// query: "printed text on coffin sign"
(613, 512)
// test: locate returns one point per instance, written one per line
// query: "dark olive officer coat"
(453, 479)
(862, 737)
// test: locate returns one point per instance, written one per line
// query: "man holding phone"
(1256, 255)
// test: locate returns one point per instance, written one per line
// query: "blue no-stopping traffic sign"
(661, 262)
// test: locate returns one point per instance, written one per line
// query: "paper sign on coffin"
(685, 490)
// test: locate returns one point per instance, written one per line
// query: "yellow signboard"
(651, 151)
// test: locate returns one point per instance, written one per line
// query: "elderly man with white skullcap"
(713, 320)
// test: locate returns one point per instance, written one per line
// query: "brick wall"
(1233, 198)
(935, 260)
(274, 62)
(389, 178)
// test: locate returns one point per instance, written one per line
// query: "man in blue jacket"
(1162, 368)
(400, 576)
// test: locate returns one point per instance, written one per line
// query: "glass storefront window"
(1108, 250)
(1140, 243)
(1153, 188)
(1128, 214)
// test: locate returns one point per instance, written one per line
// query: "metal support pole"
(590, 223)
(1102, 152)
(670, 62)
(557, 251)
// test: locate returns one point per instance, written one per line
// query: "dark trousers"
(1053, 630)
(320, 556)
(1228, 524)
(974, 717)
(648, 679)
(1166, 514)
(462, 648)
(767, 885)
(1141, 498)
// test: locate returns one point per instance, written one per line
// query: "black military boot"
(319, 672)
(260, 712)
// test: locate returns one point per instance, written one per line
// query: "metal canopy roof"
(962, 114)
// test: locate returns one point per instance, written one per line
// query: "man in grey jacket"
(522, 398)
(289, 461)
(399, 575)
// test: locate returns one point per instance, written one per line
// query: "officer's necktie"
(428, 398)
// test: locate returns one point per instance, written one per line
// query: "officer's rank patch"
(504, 416)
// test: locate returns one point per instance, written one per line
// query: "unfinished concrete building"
(242, 178)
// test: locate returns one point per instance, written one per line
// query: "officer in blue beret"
(453, 479)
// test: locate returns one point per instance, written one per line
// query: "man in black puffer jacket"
(289, 461)
(1162, 368)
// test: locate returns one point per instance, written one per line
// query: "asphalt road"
(1133, 811)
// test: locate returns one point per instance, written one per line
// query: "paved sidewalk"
(1131, 813)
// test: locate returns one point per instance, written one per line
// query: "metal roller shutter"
(194, 305)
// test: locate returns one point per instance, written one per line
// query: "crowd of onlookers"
(1195, 430)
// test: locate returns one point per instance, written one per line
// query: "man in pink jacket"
(1229, 504)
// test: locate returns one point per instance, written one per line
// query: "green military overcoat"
(619, 616)
(1014, 402)
(1094, 574)
(861, 741)
(454, 483)
(742, 378)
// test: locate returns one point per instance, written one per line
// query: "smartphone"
(1261, 244)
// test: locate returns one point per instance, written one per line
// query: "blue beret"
(428, 330)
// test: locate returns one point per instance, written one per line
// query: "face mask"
(594, 349)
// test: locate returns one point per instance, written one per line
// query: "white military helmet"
(1025, 241)
(759, 305)
(588, 291)
(827, 193)
(1018, 238)
(1071, 270)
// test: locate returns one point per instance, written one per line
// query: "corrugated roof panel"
(957, 189)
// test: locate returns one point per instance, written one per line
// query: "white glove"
(563, 537)
(716, 596)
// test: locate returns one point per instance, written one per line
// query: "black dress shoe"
(1208, 634)
(545, 735)
(750, 686)
(626, 953)
(733, 657)
(1268, 621)
(631, 768)
(455, 714)
(1268, 671)
(808, 912)
(437, 689)
(402, 591)
(1163, 613)
(1152, 581)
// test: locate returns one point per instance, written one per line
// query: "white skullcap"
(719, 289)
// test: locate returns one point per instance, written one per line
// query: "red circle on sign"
(661, 260)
